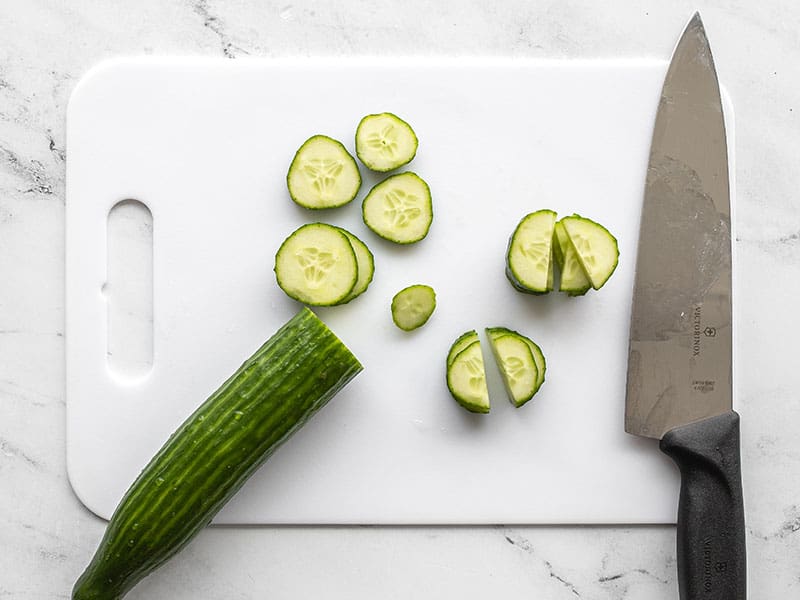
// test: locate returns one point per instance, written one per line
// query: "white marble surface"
(47, 536)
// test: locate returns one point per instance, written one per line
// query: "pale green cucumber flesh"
(323, 174)
(216, 449)
(574, 280)
(517, 367)
(385, 142)
(595, 247)
(529, 254)
(461, 342)
(365, 261)
(399, 208)
(536, 351)
(413, 306)
(466, 379)
(317, 265)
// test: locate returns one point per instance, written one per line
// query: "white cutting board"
(205, 144)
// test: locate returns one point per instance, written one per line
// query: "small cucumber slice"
(529, 258)
(399, 208)
(466, 379)
(385, 142)
(316, 265)
(538, 356)
(574, 280)
(517, 366)
(323, 174)
(595, 247)
(366, 266)
(462, 341)
(413, 306)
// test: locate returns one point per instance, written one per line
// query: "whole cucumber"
(215, 450)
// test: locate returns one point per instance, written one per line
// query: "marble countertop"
(47, 536)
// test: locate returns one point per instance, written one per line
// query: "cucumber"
(317, 265)
(574, 281)
(529, 256)
(385, 142)
(596, 249)
(399, 208)
(211, 455)
(466, 379)
(323, 174)
(462, 341)
(365, 262)
(413, 306)
(517, 367)
(496, 333)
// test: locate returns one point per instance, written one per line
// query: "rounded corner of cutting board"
(97, 76)
(83, 493)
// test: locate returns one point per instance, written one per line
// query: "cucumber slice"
(538, 356)
(316, 265)
(413, 306)
(366, 266)
(517, 366)
(462, 341)
(574, 280)
(323, 174)
(529, 258)
(466, 379)
(399, 208)
(595, 247)
(385, 142)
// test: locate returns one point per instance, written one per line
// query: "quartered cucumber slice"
(529, 258)
(399, 208)
(413, 306)
(366, 266)
(323, 174)
(385, 142)
(596, 249)
(466, 379)
(496, 333)
(462, 341)
(316, 265)
(517, 366)
(574, 280)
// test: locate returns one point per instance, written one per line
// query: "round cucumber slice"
(529, 258)
(323, 174)
(385, 141)
(366, 266)
(413, 306)
(399, 208)
(316, 265)
(517, 367)
(466, 379)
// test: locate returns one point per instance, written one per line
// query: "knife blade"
(679, 383)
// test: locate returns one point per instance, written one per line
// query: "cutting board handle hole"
(128, 290)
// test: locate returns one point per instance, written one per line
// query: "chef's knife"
(679, 386)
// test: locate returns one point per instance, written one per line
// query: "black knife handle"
(711, 535)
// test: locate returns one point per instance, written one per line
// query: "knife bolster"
(710, 533)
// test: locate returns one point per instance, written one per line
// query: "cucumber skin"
(205, 462)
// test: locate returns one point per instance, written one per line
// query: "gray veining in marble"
(47, 537)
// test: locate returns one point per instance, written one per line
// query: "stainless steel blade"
(679, 368)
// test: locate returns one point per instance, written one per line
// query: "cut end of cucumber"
(413, 306)
(385, 142)
(323, 174)
(399, 208)
(466, 378)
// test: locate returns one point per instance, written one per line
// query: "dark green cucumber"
(213, 453)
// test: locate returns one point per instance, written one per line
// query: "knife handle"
(711, 535)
